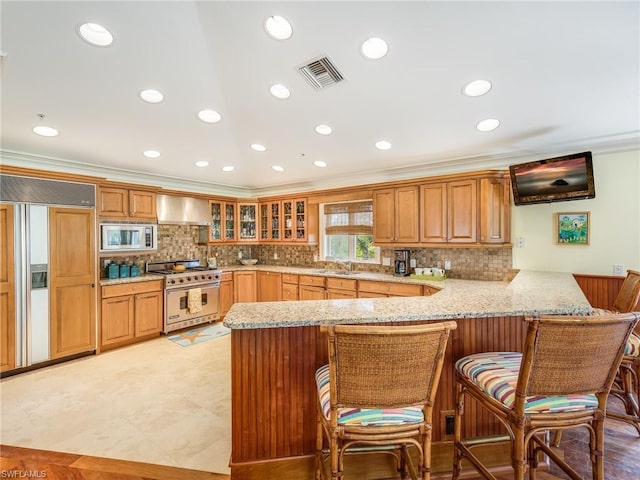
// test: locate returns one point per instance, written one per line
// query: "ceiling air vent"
(321, 73)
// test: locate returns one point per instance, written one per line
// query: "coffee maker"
(401, 263)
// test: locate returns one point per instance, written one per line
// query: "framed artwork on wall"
(572, 228)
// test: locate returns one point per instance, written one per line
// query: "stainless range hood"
(174, 210)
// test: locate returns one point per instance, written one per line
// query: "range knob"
(172, 281)
(188, 279)
(181, 280)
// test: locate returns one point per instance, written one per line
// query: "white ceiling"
(565, 75)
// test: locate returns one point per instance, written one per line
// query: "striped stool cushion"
(496, 373)
(362, 416)
(632, 348)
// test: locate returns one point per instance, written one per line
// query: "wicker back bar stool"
(626, 386)
(560, 381)
(378, 391)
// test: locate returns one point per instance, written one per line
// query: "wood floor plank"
(65, 466)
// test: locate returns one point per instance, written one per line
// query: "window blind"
(349, 218)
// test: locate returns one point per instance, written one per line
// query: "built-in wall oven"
(191, 297)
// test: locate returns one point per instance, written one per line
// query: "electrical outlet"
(520, 242)
(447, 264)
(275, 255)
(106, 261)
(412, 263)
(240, 255)
(618, 269)
(386, 261)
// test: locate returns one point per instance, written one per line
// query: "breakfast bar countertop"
(529, 292)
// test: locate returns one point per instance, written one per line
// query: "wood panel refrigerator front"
(72, 281)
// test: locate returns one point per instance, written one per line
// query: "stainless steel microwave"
(128, 237)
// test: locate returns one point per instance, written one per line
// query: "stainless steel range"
(191, 296)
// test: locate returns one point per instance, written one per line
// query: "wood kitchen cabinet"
(244, 287)
(395, 215)
(294, 218)
(311, 287)
(372, 289)
(247, 221)
(495, 205)
(226, 293)
(223, 224)
(448, 212)
(269, 286)
(131, 312)
(289, 287)
(270, 221)
(341, 288)
(7, 290)
(126, 204)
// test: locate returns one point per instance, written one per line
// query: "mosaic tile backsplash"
(180, 242)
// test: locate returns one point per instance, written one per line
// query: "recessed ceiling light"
(477, 88)
(258, 148)
(277, 168)
(324, 129)
(151, 153)
(228, 168)
(209, 116)
(202, 163)
(320, 163)
(45, 131)
(374, 48)
(488, 124)
(151, 96)
(95, 34)
(383, 145)
(278, 27)
(280, 91)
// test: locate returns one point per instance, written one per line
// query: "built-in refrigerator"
(30, 201)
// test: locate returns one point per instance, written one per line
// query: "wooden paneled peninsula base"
(276, 348)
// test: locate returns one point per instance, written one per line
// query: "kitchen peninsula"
(277, 346)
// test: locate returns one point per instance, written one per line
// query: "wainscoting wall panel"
(600, 290)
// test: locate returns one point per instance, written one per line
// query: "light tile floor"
(154, 402)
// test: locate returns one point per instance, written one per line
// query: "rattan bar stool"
(626, 386)
(560, 381)
(378, 391)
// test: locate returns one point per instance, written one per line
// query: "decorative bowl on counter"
(249, 261)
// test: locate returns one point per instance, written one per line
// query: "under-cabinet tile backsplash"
(180, 242)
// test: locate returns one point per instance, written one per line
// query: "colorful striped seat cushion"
(632, 348)
(362, 416)
(496, 373)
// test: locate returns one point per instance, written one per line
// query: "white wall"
(615, 223)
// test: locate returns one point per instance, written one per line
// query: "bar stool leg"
(457, 432)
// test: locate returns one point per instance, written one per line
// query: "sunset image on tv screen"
(552, 178)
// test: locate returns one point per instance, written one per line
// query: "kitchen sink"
(345, 272)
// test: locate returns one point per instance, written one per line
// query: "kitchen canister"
(124, 270)
(135, 271)
(112, 270)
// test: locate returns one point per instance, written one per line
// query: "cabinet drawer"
(311, 280)
(131, 288)
(289, 292)
(290, 278)
(393, 289)
(226, 277)
(341, 283)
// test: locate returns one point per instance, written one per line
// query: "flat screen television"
(553, 180)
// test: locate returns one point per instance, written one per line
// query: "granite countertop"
(529, 292)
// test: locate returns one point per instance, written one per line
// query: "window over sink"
(347, 232)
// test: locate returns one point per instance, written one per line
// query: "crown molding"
(628, 141)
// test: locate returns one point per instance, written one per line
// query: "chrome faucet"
(347, 265)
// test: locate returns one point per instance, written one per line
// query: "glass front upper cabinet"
(247, 218)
